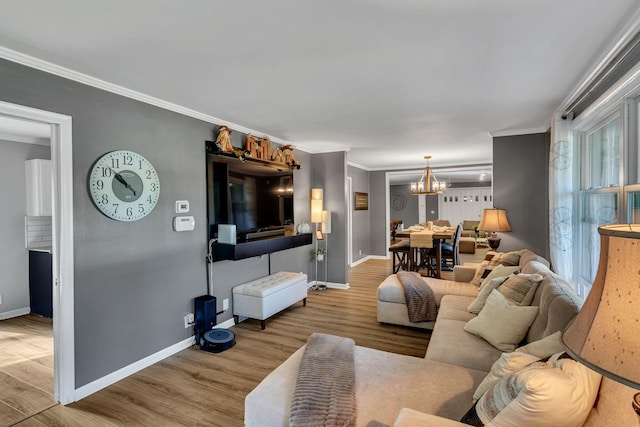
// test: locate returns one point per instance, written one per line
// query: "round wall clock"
(124, 185)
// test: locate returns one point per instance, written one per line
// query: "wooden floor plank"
(194, 387)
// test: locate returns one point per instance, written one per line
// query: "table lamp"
(604, 334)
(494, 220)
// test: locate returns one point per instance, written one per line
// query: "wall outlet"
(225, 304)
(0, 298)
(360, 252)
(188, 320)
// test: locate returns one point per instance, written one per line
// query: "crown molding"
(513, 132)
(626, 34)
(51, 68)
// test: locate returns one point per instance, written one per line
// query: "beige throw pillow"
(545, 347)
(484, 293)
(484, 273)
(478, 277)
(502, 323)
(508, 363)
(520, 288)
(506, 258)
(559, 392)
(500, 271)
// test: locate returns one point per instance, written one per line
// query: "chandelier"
(428, 183)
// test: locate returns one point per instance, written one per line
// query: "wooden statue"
(289, 158)
(223, 141)
(252, 147)
(277, 156)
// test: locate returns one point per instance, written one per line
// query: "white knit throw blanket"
(325, 393)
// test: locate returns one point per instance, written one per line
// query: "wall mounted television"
(255, 196)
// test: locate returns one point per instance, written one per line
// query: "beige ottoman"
(467, 245)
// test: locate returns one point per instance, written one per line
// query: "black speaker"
(205, 311)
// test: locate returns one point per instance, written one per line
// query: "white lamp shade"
(316, 194)
(316, 211)
(326, 222)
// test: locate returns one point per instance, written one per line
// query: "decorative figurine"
(223, 142)
(252, 147)
(289, 158)
(277, 156)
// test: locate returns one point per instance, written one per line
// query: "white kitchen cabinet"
(38, 178)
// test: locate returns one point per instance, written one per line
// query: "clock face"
(124, 185)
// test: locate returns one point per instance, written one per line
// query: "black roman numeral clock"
(124, 185)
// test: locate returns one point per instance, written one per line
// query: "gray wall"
(520, 183)
(329, 172)
(378, 208)
(14, 258)
(361, 220)
(408, 213)
(133, 281)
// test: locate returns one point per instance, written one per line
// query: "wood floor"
(197, 388)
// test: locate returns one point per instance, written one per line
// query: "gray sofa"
(398, 390)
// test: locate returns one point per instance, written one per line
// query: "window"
(602, 153)
(600, 148)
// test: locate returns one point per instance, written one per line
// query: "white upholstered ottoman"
(266, 296)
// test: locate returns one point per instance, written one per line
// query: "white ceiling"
(388, 80)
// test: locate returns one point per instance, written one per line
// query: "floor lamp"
(316, 218)
(326, 230)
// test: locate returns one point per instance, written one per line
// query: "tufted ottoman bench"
(266, 296)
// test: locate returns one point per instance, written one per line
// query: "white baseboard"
(331, 285)
(368, 257)
(226, 324)
(15, 313)
(122, 373)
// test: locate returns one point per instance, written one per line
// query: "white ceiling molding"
(48, 67)
(619, 43)
(515, 132)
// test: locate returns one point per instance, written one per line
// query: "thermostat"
(184, 223)
(182, 206)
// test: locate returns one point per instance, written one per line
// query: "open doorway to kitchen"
(62, 324)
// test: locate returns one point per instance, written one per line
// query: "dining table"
(439, 235)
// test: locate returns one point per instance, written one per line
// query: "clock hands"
(123, 181)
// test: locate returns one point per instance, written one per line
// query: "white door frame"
(349, 221)
(62, 244)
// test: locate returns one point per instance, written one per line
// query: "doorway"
(62, 242)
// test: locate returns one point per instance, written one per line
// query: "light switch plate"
(183, 223)
(182, 206)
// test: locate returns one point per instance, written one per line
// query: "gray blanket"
(421, 302)
(325, 393)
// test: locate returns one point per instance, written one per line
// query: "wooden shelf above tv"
(226, 156)
(252, 248)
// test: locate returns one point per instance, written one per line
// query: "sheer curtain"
(561, 197)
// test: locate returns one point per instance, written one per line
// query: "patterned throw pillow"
(485, 290)
(520, 288)
(559, 392)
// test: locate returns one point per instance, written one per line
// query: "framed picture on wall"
(360, 201)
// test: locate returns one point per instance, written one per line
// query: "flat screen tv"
(252, 195)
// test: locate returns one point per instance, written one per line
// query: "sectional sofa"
(438, 390)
